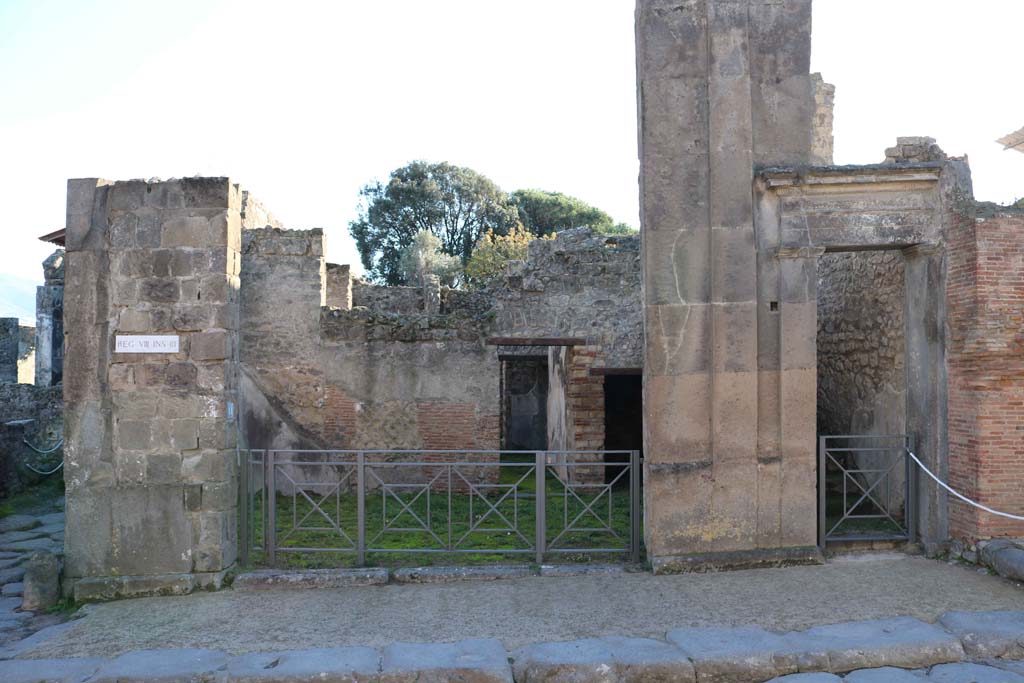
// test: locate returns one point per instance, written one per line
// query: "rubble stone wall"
(26, 354)
(10, 337)
(861, 345)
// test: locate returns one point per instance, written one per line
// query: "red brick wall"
(339, 417)
(985, 294)
(586, 399)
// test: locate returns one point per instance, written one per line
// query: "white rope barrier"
(961, 496)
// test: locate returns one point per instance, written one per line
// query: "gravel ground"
(528, 610)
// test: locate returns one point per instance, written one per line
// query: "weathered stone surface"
(49, 670)
(580, 569)
(470, 661)
(601, 660)
(972, 673)
(262, 579)
(326, 665)
(807, 678)
(12, 590)
(11, 575)
(163, 666)
(752, 654)
(97, 589)
(42, 543)
(42, 582)
(19, 523)
(883, 675)
(988, 634)
(449, 574)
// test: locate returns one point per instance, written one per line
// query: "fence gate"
(488, 504)
(866, 489)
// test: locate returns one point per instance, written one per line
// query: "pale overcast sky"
(303, 103)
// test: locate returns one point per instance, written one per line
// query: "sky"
(304, 103)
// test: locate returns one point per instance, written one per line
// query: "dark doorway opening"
(623, 420)
(524, 404)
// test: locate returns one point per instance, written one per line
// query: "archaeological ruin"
(771, 299)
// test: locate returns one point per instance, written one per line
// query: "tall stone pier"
(729, 309)
(150, 383)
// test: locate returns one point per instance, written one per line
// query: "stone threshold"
(264, 579)
(965, 645)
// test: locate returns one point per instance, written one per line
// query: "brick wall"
(985, 294)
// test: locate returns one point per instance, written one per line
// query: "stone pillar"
(150, 465)
(927, 411)
(723, 87)
(9, 338)
(50, 322)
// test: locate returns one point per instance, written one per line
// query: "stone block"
(206, 193)
(671, 39)
(988, 634)
(974, 673)
(206, 466)
(185, 231)
(676, 269)
(267, 579)
(18, 523)
(733, 267)
(163, 666)
(214, 345)
(152, 533)
(163, 468)
(41, 582)
(184, 434)
(678, 428)
(159, 290)
(734, 328)
(469, 661)
(451, 574)
(601, 660)
(49, 670)
(678, 338)
(89, 547)
(219, 496)
(885, 674)
(134, 434)
(750, 654)
(324, 665)
(812, 678)
(103, 588)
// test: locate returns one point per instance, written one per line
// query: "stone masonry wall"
(339, 286)
(986, 374)
(9, 340)
(26, 354)
(824, 105)
(578, 285)
(49, 365)
(150, 437)
(861, 346)
(283, 290)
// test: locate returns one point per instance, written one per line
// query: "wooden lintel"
(526, 356)
(600, 372)
(536, 341)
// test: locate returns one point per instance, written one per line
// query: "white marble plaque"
(146, 343)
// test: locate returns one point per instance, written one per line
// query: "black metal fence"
(866, 488)
(359, 503)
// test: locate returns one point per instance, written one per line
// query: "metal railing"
(363, 502)
(876, 473)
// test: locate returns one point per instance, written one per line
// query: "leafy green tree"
(423, 256)
(544, 213)
(456, 204)
(493, 252)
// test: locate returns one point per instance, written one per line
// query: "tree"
(493, 252)
(544, 213)
(423, 256)
(458, 205)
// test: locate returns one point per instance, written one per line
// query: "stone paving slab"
(11, 574)
(751, 655)
(42, 543)
(601, 659)
(12, 590)
(988, 634)
(19, 523)
(883, 675)
(971, 673)
(162, 666)
(49, 671)
(481, 660)
(324, 665)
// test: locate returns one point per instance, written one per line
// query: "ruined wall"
(339, 286)
(861, 345)
(150, 437)
(382, 298)
(580, 284)
(10, 338)
(49, 364)
(986, 373)
(283, 290)
(32, 413)
(26, 354)
(824, 105)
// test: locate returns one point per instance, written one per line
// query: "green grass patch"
(496, 523)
